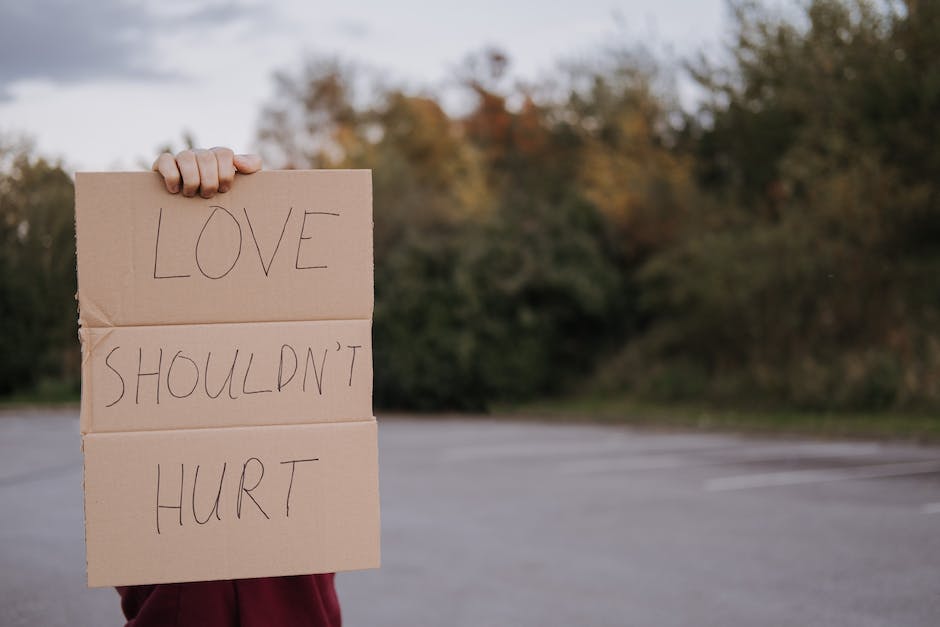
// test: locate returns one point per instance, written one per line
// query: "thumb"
(247, 164)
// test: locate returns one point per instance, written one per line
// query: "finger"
(166, 166)
(186, 162)
(208, 173)
(247, 164)
(226, 160)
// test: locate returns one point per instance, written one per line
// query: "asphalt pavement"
(490, 522)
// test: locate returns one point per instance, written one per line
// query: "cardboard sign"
(226, 416)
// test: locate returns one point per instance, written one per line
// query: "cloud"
(353, 29)
(72, 40)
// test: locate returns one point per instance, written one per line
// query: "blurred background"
(723, 205)
(685, 214)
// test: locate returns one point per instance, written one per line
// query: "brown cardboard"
(155, 377)
(231, 338)
(332, 522)
(146, 256)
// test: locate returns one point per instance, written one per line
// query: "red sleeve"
(304, 601)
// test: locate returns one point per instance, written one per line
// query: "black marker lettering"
(303, 238)
(245, 389)
(228, 379)
(281, 383)
(267, 268)
(243, 490)
(156, 253)
(177, 507)
(318, 376)
(293, 465)
(218, 496)
(140, 358)
(216, 209)
(169, 375)
(108, 364)
(353, 362)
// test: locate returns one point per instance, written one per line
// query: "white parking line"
(620, 444)
(511, 450)
(797, 477)
(773, 453)
(620, 464)
(931, 508)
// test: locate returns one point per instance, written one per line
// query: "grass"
(883, 425)
(51, 392)
(626, 410)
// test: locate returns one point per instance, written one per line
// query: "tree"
(808, 282)
(493, 279)
(37, 271)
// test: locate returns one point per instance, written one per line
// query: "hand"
(203, 171)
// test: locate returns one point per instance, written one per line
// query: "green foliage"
(775, 247)
(511, 307)
(37, 271)
(494, 278)
(808, 283)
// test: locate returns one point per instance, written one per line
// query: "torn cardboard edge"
(203, 500)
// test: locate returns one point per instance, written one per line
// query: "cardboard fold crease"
(226, 413)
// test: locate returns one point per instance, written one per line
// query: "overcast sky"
(103, 83)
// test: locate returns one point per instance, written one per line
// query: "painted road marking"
(648, 462)
(798, 477)
(554, 448)
(513, 450)
(931, 508)
(773, 453)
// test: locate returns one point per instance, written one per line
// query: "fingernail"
(174, 189)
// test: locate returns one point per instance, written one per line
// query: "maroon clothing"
(301, 601)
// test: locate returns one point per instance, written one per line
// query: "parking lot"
(489, 522)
